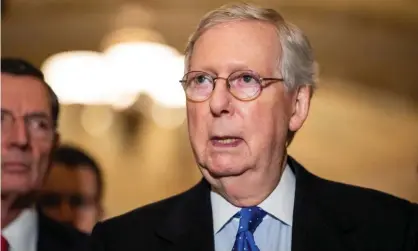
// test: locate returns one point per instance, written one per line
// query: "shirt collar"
(22, 233)
(279, 204)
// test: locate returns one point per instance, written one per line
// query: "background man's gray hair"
(297, 64)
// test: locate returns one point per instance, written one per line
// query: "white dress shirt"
(22, 233)
(275, 231)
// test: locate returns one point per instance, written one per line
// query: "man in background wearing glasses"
(249, 81)
(29, 115)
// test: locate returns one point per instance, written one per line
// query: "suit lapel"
(318, 223)
(189, 226)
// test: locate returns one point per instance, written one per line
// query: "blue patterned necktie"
(250, 218)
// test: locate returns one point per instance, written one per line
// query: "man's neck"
(12, 206)
(255, 190)
(8, 214)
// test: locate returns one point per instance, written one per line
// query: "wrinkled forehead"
(21, 95)
(238, 44)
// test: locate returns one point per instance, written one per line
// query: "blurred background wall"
(363, 126)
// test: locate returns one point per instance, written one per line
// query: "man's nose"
(19, 135)
(66, 212)
(220, 100)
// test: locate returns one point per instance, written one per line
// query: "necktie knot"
(250, 218)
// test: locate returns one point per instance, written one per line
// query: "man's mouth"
(226, 141)
(15, 167)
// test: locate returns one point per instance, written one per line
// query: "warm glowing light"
(124, 101)
(166, 89)
(78, 77)
(148, 67)
(131, 34)
(118, 75)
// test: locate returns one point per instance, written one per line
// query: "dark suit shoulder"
(347, 192)
(393, 215)
(355, 216)
(140, 223)
(54, 235)
(150, 212)
(358, 204)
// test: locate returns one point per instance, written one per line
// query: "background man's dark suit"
(327, 216)
(56, 237)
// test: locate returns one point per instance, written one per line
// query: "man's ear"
(56, 142)
(100, 212)
(301, 105)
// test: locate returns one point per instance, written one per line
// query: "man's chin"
(16, 186)
(15, 180)
(20, 198)
(221, 172)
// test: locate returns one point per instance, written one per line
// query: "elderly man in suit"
(249, 80)
(29, 114)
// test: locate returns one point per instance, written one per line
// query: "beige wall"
(352, 135)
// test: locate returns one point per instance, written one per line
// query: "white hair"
(297, 64)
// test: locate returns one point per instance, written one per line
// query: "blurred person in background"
(249, 80)
(73, 190)
(29, 118)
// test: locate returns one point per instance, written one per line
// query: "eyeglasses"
(38, 127)
(243, 85)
